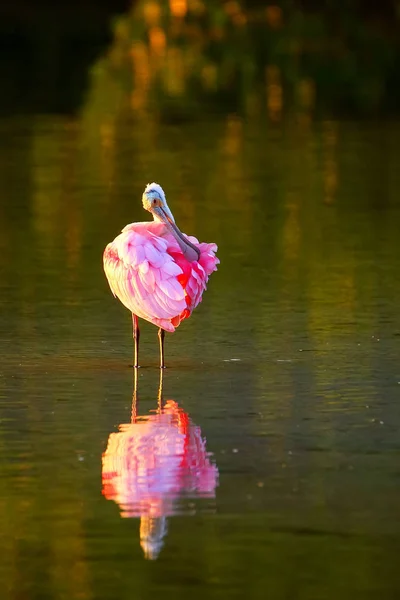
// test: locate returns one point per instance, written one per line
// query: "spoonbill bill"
(156, 271)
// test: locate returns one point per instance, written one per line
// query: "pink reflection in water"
(151, 464)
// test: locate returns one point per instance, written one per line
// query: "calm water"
(275, 460)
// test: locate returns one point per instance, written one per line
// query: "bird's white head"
(155, 202)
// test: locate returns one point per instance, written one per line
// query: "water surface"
(289, 368)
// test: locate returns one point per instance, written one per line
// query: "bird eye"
(154, 201)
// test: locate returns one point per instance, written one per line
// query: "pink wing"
(149, 274)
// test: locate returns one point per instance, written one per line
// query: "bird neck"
(189, 250)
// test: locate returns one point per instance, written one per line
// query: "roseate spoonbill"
(153, 464)
(156, 271)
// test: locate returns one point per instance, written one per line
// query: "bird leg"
(136, 337)
(161, 336)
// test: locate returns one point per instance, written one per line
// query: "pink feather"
(147, 270)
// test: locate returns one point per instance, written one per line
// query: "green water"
(289, 366)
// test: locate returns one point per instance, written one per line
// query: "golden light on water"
(141, 72)
(274, 92)
(174, 72)
(151, 13)
(157, 40)
(331, 179)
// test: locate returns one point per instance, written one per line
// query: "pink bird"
(156, 271)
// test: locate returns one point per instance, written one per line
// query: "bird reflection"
(153, 464)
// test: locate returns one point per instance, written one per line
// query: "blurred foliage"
(186, 56)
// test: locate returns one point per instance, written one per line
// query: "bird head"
(155, 202)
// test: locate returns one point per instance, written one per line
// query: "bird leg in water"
(161, 336)
(136, 337)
